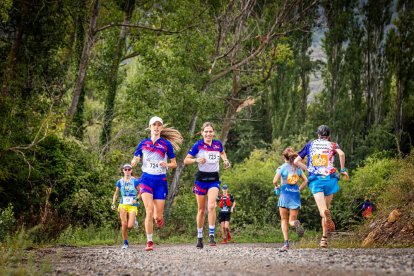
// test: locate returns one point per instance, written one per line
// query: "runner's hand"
(113, 207)
(346, 175)
(227, 164)
(201, 160)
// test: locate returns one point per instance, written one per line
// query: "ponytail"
(172, 135)
(290, 154)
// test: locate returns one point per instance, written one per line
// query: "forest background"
(81, 78)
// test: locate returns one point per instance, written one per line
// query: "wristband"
(343, 170)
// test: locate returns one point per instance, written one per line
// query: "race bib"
(153, 166)
(127, 200)
(319, 160)
(212, 157)
(292, 179)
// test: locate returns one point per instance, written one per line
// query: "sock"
(200, 232)
(126, 242)
(286, 242)
(149, 237)
(211, 229)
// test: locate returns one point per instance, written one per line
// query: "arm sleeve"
(170, 150)
(194, 150)
(138, 151)
(303, 152)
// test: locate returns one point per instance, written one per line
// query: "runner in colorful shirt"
(226, 205)
(207, 153)
(153, 186)
(128, 203)
(289, 200)
(323, 177)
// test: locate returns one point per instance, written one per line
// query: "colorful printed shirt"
(128, 190)
(320, 153)
(289, 174)
(210, 153)
(153, 153)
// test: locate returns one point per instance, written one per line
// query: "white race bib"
(212, 157)
(128, 200)
(153, 166)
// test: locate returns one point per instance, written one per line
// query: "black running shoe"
(200, 243)
(212, 242)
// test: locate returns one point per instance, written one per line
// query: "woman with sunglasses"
(206, 153)
(127, 207)
(153, 186)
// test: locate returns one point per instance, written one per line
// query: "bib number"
(292, 179)
(212, 157)
(153, 166)
(128, 200)
(319, 160)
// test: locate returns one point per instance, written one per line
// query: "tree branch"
(160, 30)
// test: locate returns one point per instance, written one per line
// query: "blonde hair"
(290, 154)
(206, 124)
(172, 135)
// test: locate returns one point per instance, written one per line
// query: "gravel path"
(230, 259)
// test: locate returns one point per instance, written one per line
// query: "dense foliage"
(80, 79)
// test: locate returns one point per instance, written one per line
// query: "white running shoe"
(125, 246)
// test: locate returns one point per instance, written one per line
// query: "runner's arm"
(225, 160)
(171, 165)
(342, 163)
(298, 162)
(304, 182)
(276, 179)
(114, 198)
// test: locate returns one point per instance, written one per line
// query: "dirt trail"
(230, 259)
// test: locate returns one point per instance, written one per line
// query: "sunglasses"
(127, 169)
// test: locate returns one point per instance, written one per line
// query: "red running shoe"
(150, 246)
(160, 222)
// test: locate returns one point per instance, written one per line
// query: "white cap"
(127, 166)
(155, 119)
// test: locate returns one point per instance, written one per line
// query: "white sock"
(149, 237)
(200, 232)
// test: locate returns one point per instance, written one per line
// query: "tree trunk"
(113, 78)
(82, 67)
(11, 61)
(232, 105)
(173, 191)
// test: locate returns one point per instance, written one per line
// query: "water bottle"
(277, 190)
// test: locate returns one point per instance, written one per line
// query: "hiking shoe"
(228, 236)
(211, 241)
(125, 246)
(224, 241)
(200, 243)
(324, 243)
(150, 246)
(284, 248)
(299, 229)
(330, 225)
(160, 222)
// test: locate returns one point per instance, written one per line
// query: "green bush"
(7, 221)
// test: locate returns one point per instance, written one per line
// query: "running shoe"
(228, 236)
(150, 246)
(330, 225)
(324, 243)
(200, 243)
(211, 241)
(125, 246)
(224, 241)
(160, 222)
(299, 229)
(284, 248)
